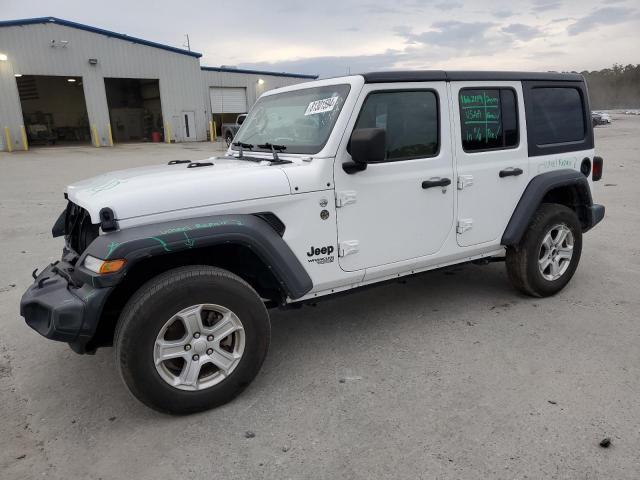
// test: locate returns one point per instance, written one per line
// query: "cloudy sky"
(334, 37)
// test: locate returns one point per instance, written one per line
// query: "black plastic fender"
(137, 243)
(533, 195)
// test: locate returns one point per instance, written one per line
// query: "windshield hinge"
(345, 198)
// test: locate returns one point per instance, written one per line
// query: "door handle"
(510, 172)
(441, 182)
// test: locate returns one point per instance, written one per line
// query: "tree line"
(615, 87)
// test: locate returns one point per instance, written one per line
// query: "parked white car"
(329, 186)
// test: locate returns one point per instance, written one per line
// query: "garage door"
(228, 100)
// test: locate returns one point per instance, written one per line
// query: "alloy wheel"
(199, 347)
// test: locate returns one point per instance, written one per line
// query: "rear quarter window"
(558, 115)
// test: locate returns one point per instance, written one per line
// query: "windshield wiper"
(274, 149)
(242, 146)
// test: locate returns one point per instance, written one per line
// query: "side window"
(410, 119)
(558, 115)
(489, 119)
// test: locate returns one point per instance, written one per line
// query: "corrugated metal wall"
(29, 52)
(250, 81)
(183, 86)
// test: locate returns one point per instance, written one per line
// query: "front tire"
(191, 339)
(549, 252)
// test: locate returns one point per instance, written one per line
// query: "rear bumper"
(595, 213)
(59, 310)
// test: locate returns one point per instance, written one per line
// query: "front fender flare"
(533, 195)
(137, 243)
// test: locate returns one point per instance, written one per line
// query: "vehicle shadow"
(367, 318)
(311, 338)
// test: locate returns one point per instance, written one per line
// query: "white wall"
(29, 52)
(183, 86)
(246, 80)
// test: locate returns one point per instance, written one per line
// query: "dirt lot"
(451, 375)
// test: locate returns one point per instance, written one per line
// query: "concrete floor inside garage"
(451, 375)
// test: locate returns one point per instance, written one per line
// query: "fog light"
(98, 265)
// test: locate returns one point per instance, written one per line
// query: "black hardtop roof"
(452, 76)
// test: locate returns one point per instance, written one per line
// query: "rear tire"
(225, 325)
(549, 252)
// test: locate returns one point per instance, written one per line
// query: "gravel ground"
(450, 375)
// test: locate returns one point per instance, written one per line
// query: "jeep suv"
(329, 186)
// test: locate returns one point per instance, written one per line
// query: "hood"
(155, 189)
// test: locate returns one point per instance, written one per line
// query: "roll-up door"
(228, 99)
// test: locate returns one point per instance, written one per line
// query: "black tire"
(522, 260)
(228, 138)
(154, 304)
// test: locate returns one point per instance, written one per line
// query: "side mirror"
(367, 145)
(240, 120)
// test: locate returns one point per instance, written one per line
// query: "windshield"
(300, 121)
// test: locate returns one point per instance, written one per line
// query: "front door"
(188, 126)
(397, 210)
(491, 156)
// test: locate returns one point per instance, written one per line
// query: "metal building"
(231, 91)
(63, 82)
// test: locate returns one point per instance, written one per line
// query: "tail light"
(597, 169)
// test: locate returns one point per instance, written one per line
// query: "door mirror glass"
(368, 145)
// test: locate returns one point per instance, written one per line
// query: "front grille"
(80, 232)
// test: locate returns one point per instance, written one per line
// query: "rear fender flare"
(534, 194)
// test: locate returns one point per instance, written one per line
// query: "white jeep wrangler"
(330, 185)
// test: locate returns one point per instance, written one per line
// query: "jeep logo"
(320, 251)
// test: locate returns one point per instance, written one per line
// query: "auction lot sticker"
(321, 106)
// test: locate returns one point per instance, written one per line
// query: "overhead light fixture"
(3, 57)
(260, 81)
(93, 61)
(71, 80)
(17, 74)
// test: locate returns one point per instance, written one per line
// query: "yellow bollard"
(25, 143)
(96, 140)
(110, 135)
(7, 136)
(211, 131)
(167, 133)
(215, 132)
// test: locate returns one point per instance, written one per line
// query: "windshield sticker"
(321, 106)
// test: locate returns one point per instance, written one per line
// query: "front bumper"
(58, 308)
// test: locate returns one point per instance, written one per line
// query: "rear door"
(491, 156)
